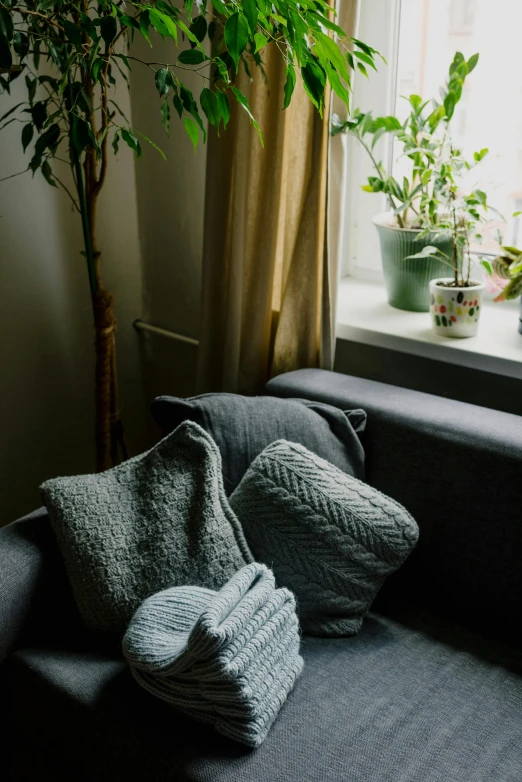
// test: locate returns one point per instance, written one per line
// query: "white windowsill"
(364, 315)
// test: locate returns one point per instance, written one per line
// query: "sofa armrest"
(458, 469)
(35, 596)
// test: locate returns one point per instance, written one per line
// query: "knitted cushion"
(329, 538)
(160, 519)
(228, 658)
(242, 426)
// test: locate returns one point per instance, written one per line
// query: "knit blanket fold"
(229, 658)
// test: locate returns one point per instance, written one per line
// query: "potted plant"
(70, 53)
(418, 205)
(456, 300)
(507, 269)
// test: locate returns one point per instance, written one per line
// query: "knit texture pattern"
(227, 658)
(328, 537)
(160, 519)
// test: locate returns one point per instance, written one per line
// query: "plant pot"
(407, 279)
(455, 312)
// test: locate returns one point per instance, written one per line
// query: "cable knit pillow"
(328, 537)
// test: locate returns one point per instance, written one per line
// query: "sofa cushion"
(328, 537)
(393, 703)
(242, 426)
(159, 519)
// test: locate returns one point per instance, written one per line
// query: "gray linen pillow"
(242, 426)
(158, 520)
(328, 537)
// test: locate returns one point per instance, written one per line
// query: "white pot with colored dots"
(455, 312)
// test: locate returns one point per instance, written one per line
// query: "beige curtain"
(269, 268)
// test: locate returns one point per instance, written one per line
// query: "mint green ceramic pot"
(407, 280)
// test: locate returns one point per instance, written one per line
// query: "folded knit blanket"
(228, 658)
(158, 520)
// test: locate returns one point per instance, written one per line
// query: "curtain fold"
(271, 247)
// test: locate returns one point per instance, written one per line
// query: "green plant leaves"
(192, 131)
(236, 36)
(163, 24)
(108, 29)
(243, 102)
(163, 80)
(251, 13)
(224, 108)
(289, 84)
(132, 141)
(191, 57)
(199, 27)
(314, 80)
(165, 115)
(27, 135)
(210, 106)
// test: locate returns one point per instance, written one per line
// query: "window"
(419, 39)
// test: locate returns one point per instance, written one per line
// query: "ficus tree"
(69, 52)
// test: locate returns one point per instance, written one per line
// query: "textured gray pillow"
(328, 537)
(243, 426)
(158, 520)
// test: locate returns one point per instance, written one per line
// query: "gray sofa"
(429, 691)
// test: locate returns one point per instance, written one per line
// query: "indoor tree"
(68, 51)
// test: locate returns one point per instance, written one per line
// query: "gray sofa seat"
(394, 704)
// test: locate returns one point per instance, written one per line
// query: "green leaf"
(365, 58)
(362, 69)
(132, 141)
(426, 252)
(6, 58)
(190, 105)
(191, 57)
(27, 135)
(162, 80)
(165, 115)
(192, 131)
(333, 53)
(224, 108)
(487, 266)
(211, 31)
(115, 142)
(449, 105)
(251, 13)
(163, 24)
(243, 101)
(47, 140)
(153, 145)
(178, 105)
(314, 81)
(236, 35)
(210, 106)
(74, 34)
(472, 62)
(39, 114)
(260, 41)
(48, 173)
(80, 134)
(21, 44)
(108, 29)
(289, 84)
(6, 24)
(144, 25)
(220, 7)
(199, 27)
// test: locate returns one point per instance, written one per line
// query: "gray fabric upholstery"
(157, 520)
(243, 426)
(35, 598)
(393, 704)
(328, 537)
(458, 470)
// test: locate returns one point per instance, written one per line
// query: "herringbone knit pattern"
(228, 658)
(328, 537)
(160, 519)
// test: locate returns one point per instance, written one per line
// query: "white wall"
(46, 336)
(170, 207)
